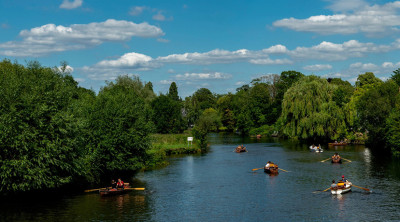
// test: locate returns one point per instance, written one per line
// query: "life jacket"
(340, 184)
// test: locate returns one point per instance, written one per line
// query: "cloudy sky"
(219, 45)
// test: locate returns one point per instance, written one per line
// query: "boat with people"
(343, 186)
(316, 149)
(271, 168)
(240, 149)
(336, 158)
(336, 143)
(113, 192)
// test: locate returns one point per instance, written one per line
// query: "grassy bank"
(164, 145)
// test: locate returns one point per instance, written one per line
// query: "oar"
(134, 188)
(346, 159)
(323, 190)
(257, 168)
(361, 188)
(325, 160)
(92, 190)
(283, 170)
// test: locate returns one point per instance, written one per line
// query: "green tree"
(366, 79)
(167, 115)
(396, 76)
(41, 142)
(308, 111)
(120, 127)
(173, 92)
(374, 106)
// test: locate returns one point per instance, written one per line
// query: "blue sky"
(219, 45)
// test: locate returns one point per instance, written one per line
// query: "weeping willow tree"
(309, 112)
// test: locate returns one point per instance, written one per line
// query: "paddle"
(325, 160)
(323, 190)
(257, 168)
(346, 159)
(283, 170)
(361, 188)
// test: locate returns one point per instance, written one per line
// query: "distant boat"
(316, 149)
(275, 134)
(338, 144)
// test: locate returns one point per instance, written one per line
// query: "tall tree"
(173, 92)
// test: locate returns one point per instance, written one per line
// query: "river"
(221, 186)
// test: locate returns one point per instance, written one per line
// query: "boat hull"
(112, 192)
(341, 190)
(336, 160)
(271, 171)
(337, 144)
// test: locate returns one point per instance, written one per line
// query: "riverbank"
(164, 145)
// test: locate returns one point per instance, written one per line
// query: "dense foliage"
(55, 133)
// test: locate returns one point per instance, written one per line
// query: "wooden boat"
(113, 192)
(336, 160)
(240, 149)
(341, 190)
(337, 144)
(271, 170)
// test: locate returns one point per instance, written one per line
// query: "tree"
(374, 106)
(173, 92)
(367, 78)
(167, 115)
(308, 111)
(120, 127)
(396, 76)
(41, 141)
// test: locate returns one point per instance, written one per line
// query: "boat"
(338, 144)
(341, 190)
(271, 170)
(316, 149)
(275, 134)
(113, 192)
(336, 160)
(240, 149)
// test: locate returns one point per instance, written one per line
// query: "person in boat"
(319, 147)
(333, 185)
(113, 185)
(268, 164)
(336, 156)
(120, 184)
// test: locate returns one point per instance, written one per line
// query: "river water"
(221, 186)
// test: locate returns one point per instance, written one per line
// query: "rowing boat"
(336, 160)
(337, 144)
(240, 149)
(316, 149)
(341, 190)
(112, 192)
(271, 170)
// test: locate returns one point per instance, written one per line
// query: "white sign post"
(190, 139)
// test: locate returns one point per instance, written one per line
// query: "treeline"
(54, 133)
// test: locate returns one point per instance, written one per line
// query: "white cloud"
(137, 10)
(203, 76)
(211, 57)
(71, 5)
(166, 82)
(240, 83)
(51, 38)
(276, 49)
(372, 20)
(330, 51)
(129, 61)
(68, 69)
(159, 17)
(367, 67)
(318, 67)
(268, 61)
